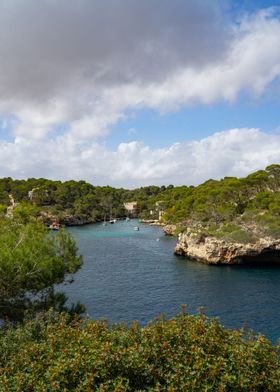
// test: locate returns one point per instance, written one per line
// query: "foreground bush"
(187, 353)
(32, 261)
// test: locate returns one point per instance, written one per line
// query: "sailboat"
(111, 219)
(104, 222)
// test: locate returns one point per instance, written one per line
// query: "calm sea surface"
(133, 275)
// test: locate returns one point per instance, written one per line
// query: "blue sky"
(195, 122)
(239, 6)
(132, 93)
(199, 121)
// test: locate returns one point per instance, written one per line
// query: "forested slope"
(232, 207)
(221, 207)
(71, 199)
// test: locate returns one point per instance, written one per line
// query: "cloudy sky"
(130, 93)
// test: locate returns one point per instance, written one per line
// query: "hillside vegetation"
(240, 209)
(71, 198)
(31, 261)
(237, 209)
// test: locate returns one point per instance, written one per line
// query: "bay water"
(134, 275)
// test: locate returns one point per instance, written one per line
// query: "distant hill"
(219, 207)
(71, 202)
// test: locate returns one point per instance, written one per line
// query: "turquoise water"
(133, 275)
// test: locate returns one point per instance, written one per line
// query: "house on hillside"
(131, 208)
(158, 211)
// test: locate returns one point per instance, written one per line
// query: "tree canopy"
(254, 199)
(32, 261)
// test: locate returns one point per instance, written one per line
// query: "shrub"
(241, 236)
(186, 353)
(273, 230)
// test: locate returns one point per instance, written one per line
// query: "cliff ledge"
(211, 250)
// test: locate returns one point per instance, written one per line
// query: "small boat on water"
(127, 219)
(54, 226)
(112, 220)
(136, 228)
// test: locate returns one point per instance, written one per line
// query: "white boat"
(54, 226)
(136, 228)
(127, 219)
(112, 220)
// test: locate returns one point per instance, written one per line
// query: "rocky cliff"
(211, 250)
(152, 222)
(64, 219)
(73, 220)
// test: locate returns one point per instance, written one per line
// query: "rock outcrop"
(170, 229)
(214, 251)
(67, 220)
(152, 222)
(72, 220)
(11, 207)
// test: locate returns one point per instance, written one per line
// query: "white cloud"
(84, 64)
(250, 64)
(235, 152)
(60, 62)
(78, 66)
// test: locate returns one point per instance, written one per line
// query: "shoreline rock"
(76, 221)
(151, 222)
(214, 251)
(67, 220)
(170, 229)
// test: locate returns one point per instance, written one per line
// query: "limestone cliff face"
(215, 251)
(151, 222)
(67, 220)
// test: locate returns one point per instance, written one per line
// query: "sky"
(131, 93)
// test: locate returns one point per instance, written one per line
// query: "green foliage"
(253, 201)
(77, 199)
(186, 353)
(213, 203)
(273, 168)
(273, 228)
(232, 233)
(25, 212)
(241, 236)
(31, 262)
(3, 210)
